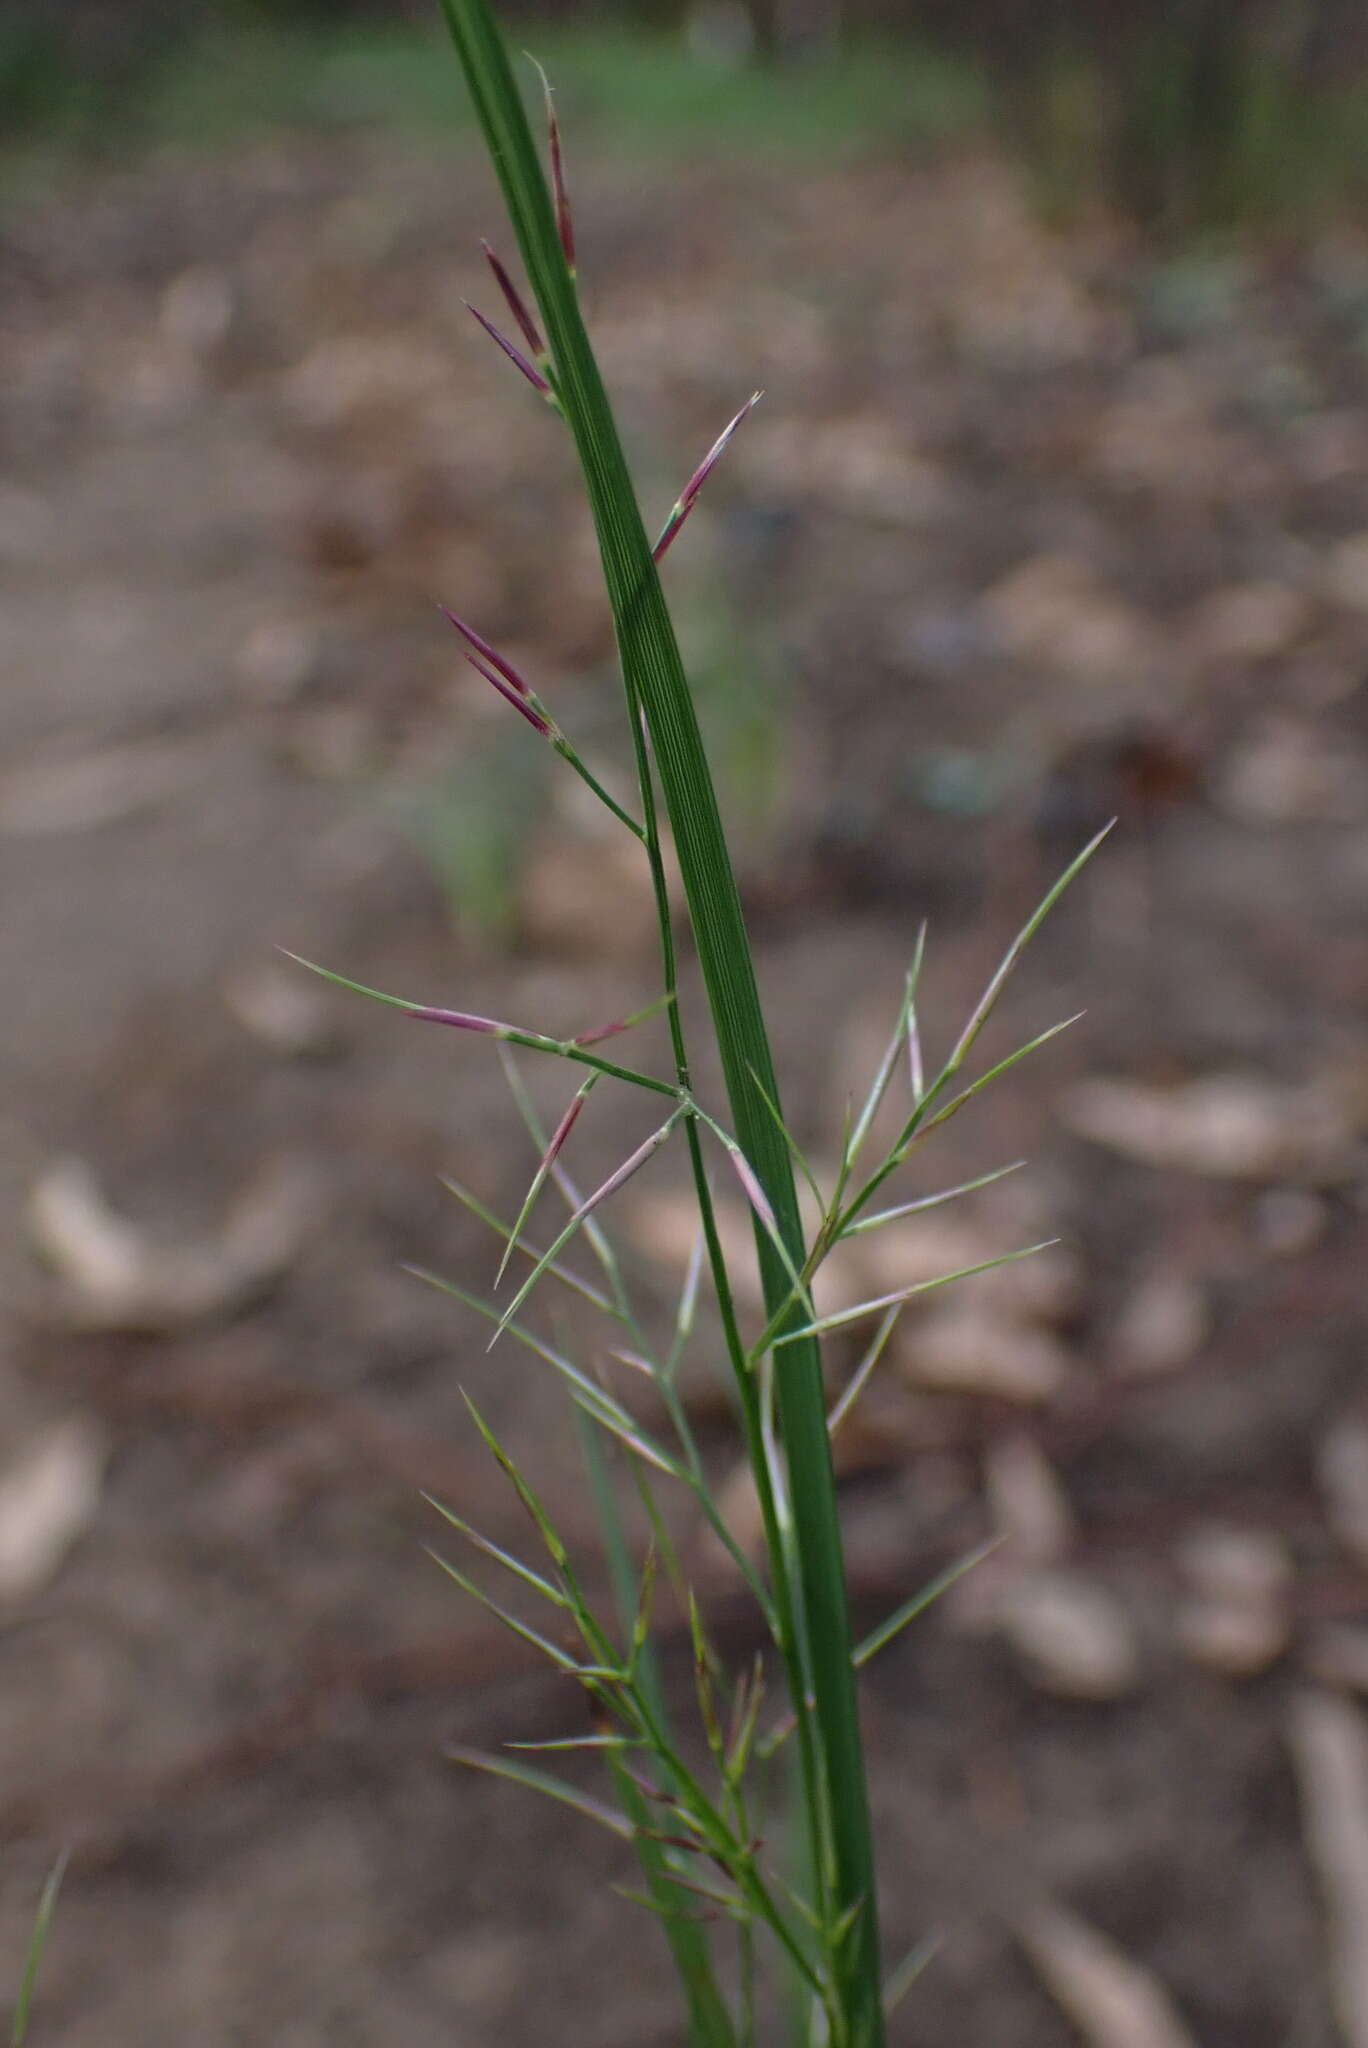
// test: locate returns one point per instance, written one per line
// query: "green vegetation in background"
(473, 825)
(1208, 116)
(631, 87)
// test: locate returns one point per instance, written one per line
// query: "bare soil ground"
(1027, 531)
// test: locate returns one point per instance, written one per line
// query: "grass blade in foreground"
(654, 678)
(42, 1920)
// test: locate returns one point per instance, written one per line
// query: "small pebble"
(962, 1352)
(1026, 1503)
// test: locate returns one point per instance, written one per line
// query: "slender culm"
(826, 1931)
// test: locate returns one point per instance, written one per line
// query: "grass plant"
(28, 1981)
(805, 1922)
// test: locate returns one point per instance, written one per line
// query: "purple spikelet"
(684, 503)
(625, 1171)
(488, 662)
(462, 1020)
(538, 722)
(561, 1133)
(515, 355)
(754, 1193)
(513, 299)
(486, 652)
(565, 226)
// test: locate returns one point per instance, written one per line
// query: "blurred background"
(1056, 507)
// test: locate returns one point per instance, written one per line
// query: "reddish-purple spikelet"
(514, 300)
(603, 1031)
(755, 1194)
(515, 355)
(462, 1021)
(914, 1058)
(651, 1791)
(561, 1133)
(490, 654)
(636, 1361)
(625, 1171)
(684, 503)
(510, 696)
(564, 225)
(488, 662)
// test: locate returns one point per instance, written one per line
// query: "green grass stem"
(654, 677)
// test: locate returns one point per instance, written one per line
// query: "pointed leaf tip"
(543, 1781)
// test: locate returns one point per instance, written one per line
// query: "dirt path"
(1026, 532)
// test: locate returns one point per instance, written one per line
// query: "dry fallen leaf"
(1346, 572)
(1225, 1126)
(853, 464)
(1236, 1619)
(664, 1225)
(1342, 1467)
(118, 1278)
(284, 1008)
(1027, 1506)
(1287, 772)
(1248, 622)
(1052, 609)
(82, 792)
(1072, 1635)
(959, 1350)
(1288, 1221)
(1110, 1999)
(279, 658)
(1045, 1288)
(197, 309)
(1329, 1742)
(1161, 1327)
(1339, 1656)
(48, 1496)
